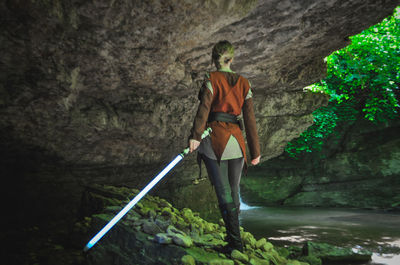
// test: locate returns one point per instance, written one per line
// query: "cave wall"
(105, 91)
(359, 167)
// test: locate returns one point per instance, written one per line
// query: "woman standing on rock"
(223, 97)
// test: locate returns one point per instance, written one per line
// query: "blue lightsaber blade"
(138, 197)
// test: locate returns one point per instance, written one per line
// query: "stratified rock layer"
(360, 168)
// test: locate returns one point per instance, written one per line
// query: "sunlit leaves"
(367, 71)
(362, 79)
(324, 122)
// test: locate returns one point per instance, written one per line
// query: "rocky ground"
(155, 232)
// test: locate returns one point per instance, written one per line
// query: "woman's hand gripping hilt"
(206, 133)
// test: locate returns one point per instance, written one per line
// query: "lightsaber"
(141, 194)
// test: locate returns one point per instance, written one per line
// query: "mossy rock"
(182, 240)
(272, 256)
(151, 205)
(208, 227)
(187, 214)
(248, 238)
(164, 203)
(188, 260)
(221, 262)
(257, 261)
(293, 262)
(166, 211)
(260, 242)
(182, 224)
(329, 252)
(201, 255)
(151, 228)
(283, 252)
(207, 240)
(185, 231)
(237, 255)
(312, 260)
(163, 239)
(144, 211)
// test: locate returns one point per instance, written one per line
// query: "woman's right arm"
(200, 120)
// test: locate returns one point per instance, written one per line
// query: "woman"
(223, 97)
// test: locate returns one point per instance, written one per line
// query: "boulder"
(237, 255)
(163, 238)
(221, 262)
(257, 261)
(151, 228)
(182, 240)
(330, 253)
(261, 242)
(188, 260)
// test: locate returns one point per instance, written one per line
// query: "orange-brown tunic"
(229, 93)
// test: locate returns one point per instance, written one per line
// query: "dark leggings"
(225, 178)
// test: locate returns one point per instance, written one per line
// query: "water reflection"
(376, 231)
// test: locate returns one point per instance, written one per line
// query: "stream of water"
(376, 231)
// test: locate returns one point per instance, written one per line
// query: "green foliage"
(367, 72)
(324, 122)
(363, 79)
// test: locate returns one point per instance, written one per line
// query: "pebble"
(181, 240)
(151, 228)
(163, 238)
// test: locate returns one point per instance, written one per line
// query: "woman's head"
(222, 53)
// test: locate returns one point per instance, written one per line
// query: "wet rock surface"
(329, 253)
(359, 169)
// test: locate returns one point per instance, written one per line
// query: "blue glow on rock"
(132, 203)
(141, 194)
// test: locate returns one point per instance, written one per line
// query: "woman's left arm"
(251, 130)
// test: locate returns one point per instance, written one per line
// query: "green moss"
(188, 260)
(284, 252)
(312, 260)
(103, 216)
(201, 255)
(196, 237)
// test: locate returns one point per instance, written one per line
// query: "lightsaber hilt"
(141, 194)
(206, 133)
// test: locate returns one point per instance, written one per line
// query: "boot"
(230, 215)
